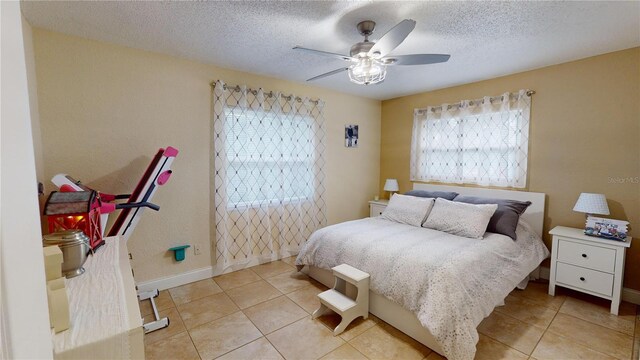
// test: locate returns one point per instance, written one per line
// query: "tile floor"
(264, 313)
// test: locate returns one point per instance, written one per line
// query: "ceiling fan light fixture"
(368, 60)
(367, 71)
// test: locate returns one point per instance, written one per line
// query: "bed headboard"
(534, 214)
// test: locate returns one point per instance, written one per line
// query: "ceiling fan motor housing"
(361, 49)
(365, 28)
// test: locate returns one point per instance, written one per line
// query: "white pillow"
(410, 210)
(462, 219)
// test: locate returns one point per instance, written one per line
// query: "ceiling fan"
(369, 59)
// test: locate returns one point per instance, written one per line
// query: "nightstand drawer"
(592, 280)
(376, 210)
(592, 257)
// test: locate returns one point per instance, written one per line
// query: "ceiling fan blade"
(324, 53)
(328, 74)
(416, 59)
(392, 38)
(337, 71)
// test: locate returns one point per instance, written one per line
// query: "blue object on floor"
(178, 251)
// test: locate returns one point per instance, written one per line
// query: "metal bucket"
(74, 245)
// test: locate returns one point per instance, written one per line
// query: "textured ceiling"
(485, 39)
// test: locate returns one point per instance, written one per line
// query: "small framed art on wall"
(351, 135)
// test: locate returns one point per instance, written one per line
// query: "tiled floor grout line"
(538, 342)
(604, 326)
(588, 347)
(192, 342)
(308, 314)
(547, 328)
(185, 327)
(349, 343)
(260, 302)
(283, 326)
(361, 334)
(598, 351)
(177, 311)
(510, 347)
(330, 351)
(234, 349)
(249, 283)
(242, 311)
(534, 300)
(265, 335)
(189, 330)
(274, 347)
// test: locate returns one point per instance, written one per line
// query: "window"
(268, 174)
(269, 158)
(482, 142)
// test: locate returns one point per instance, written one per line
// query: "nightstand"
(376, 207)
(587, 264)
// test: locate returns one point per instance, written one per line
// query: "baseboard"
(176, 280)
(631, 295)
(628, 295)
(204, 273)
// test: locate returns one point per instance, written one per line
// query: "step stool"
(336, 299)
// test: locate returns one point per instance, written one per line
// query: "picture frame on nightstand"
(606, 228)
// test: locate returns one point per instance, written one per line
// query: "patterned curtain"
(482, 141)
(268, 174)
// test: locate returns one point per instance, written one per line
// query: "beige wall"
(105, 109)
(24, 314)
(33, 99)
(584, 137)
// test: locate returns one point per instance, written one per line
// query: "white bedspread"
(451, 283)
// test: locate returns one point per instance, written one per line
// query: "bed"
(433, 286)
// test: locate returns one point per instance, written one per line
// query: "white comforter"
(451, 283)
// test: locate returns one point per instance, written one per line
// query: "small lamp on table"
(391, 185)
(592, 204)
(589, 204)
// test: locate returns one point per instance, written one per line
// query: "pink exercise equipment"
(157, 174)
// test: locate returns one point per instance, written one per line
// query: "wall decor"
(351, 135)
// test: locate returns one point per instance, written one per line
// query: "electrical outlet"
(197, 250)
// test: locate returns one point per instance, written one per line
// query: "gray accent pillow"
(447, 195)
(505, 220)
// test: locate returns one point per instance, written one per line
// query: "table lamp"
(391, 185)
(589, 204)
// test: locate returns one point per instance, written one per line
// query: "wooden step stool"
(336, 299)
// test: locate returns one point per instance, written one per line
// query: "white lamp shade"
(592, 204)
(391, 185)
